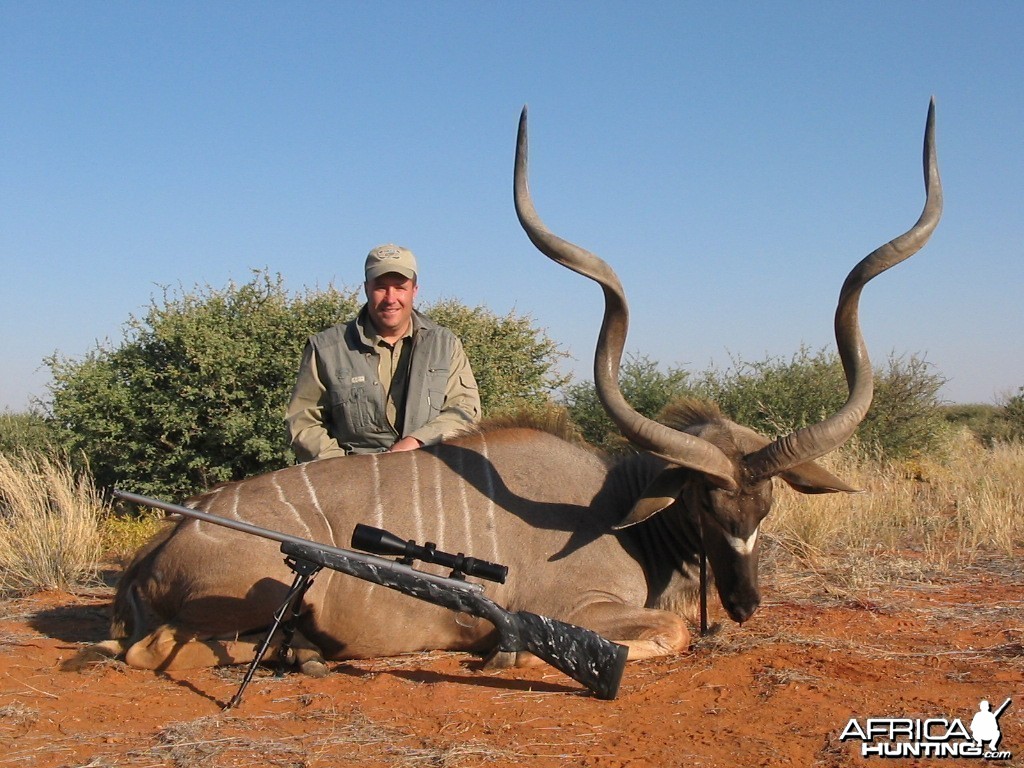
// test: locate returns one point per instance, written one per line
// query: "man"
(390, 380)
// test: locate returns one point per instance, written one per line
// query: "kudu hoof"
(500, 660)
(314, 668)
(91, 655)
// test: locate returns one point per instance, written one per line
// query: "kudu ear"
(809, 477)
(660, 493)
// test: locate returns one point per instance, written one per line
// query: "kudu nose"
(740, 611)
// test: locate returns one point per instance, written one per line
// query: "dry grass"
(124, 534)
(49, 525)
(16, 715)
(929, 516)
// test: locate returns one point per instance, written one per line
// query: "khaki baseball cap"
(390, 258)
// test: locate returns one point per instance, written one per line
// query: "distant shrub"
(987, 423)
(647, 388)
(24, 432)
(1013, 414)
(991, 424)
(195, 394)
(779, 395)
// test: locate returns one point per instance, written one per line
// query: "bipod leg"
(304, 573)
(288, 627)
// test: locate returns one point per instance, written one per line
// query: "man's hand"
(406, 444)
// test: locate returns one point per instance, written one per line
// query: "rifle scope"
(377, 541)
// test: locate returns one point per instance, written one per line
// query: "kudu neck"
(669, 545)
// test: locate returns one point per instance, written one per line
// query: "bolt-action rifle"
(580, 653)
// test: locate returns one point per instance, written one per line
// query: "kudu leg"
(170, 648)
(647, 633)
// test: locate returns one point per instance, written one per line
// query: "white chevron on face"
(743, 546)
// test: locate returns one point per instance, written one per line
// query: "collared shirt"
(393, 369)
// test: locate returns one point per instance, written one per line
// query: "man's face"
(389, 302)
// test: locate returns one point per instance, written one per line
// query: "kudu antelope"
(612, 546)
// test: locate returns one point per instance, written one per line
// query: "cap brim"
(374, 273)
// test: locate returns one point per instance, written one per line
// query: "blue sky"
(732, 161)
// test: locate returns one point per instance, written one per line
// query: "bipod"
(304, 572)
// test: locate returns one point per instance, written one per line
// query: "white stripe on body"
(214, 531)
(414, 502)
(316, 503)
(365, 588)
(439, 511)
(307, 533)
(311, 489)
(378, 506)
(489, 490)
(207, 530)
(462, 484)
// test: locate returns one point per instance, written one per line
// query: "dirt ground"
(778, 691)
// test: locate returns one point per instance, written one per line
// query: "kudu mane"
(704, 419)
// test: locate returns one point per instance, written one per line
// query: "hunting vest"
(356, 415)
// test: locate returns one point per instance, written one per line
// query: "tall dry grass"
(50, 520)
(934, 514)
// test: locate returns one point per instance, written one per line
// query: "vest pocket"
(437, 383)
(350, 406)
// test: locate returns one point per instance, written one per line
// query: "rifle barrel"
(284, 538)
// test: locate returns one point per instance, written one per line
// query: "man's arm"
(461, 406)
(305, 415)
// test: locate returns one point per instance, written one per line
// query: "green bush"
(27, 432)
(778, 395)
(644, 386)
(990, 424)
(905, 419)
(195, 394)
(514, 363)
(1013, 416)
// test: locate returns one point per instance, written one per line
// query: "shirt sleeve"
(305, 415)
(461, 406)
